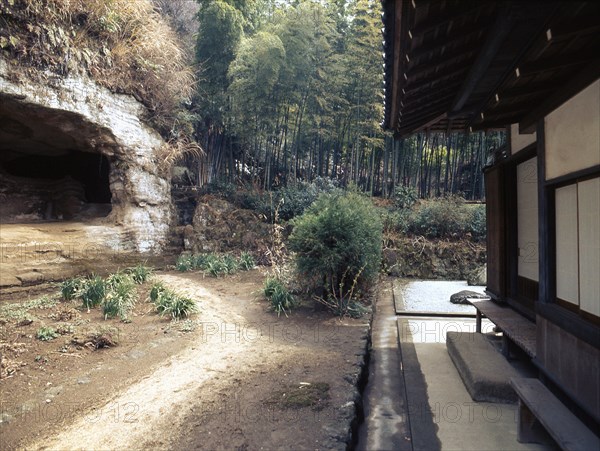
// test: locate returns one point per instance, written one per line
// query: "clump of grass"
(140, 273)
(214, 264)
(155, 291)
(278, 295)
(168, 302)
(247, 261)
(93, 291)
(46, 333)
(120, 298)
(70, 288)
(184, 263)
(230, 264)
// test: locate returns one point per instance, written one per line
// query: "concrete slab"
(485, 372)
(441, 411)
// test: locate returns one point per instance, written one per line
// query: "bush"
(290, 201)
(478, 226)
(220, 187)
(278, 295)
(405, 197)
(447, 217)
(395, 221)
(338, 244)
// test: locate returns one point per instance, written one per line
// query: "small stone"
(48, 401)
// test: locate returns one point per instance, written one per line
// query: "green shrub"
(70, 288)
(140, 273)
(278, 295)
(395, 221)
(220, 187)
(478, 227)
(405, 197)
(290, 201)
(247, 261)
(338, 244)
(93, 291)
(121, 296)
(46, 333)
(447, 217)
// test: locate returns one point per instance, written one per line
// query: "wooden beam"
(416, 118)
(449, 40)
(440, 91)
(449, 73)
(495, 38)
(413, 126)
(526, 90)
(432, 122)
(464, 52)
(507, 110)
(580, 81)
(582, 26)
(444, 17)
(396, 64)
(426, 106)
(556, 62)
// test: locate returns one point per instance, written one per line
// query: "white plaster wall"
(573, 134)
(518, 141)
(589, 245)
(567, 244)
(527, 219)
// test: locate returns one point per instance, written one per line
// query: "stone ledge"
(484, 371)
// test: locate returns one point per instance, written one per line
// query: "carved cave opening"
(49, 168)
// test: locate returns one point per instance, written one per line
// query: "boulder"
(462, 297)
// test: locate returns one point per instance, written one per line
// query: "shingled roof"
(460, 64)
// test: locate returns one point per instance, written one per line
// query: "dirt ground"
(236, 376)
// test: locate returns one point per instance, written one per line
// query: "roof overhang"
(472, 64)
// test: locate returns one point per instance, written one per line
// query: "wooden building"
(533, 68)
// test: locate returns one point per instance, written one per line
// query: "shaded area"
(50, 167)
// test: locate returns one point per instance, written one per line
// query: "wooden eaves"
(457, 64)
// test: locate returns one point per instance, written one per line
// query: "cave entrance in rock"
(49, 169)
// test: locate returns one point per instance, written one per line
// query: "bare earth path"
(224, 385)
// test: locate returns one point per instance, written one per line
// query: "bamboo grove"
(292, 90)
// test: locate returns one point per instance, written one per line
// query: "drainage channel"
(382, 420)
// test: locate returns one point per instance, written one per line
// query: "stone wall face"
(90, 118)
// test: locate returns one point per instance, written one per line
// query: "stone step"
(484, 371)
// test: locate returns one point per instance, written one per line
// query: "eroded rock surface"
(57, 117)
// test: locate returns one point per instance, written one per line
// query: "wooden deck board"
(518, 328)
(562, 424)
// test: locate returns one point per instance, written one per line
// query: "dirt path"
(227, 384)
